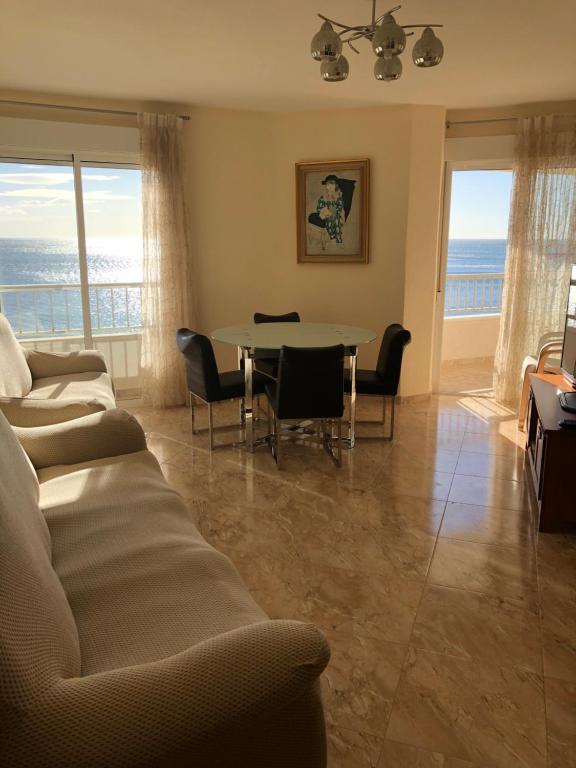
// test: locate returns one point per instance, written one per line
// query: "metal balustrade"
(473, 294)
(51, 310)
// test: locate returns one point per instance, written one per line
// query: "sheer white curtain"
(166, 292)
(541, 245)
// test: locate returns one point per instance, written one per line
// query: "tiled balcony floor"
(467, 377)
(452, 624)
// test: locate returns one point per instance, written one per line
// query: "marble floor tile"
(360, 682)
(490, 492)
(412, 481)
(482, 713)
(490, 465)
(472, 625)
(503, 571)
(393, 548)
(557, 582)
(396, 755)
(370, 509)
(423, 437)
(338, 600)
(561, 723)
(352, 749)
(487, 525)
(433, 458)
(491, 443)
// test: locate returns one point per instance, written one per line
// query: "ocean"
(476, 256)
(54, 262)
(35, 262)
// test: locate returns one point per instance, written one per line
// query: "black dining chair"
(266, 360)
(310, 386)
(207, 384)
(384, 381)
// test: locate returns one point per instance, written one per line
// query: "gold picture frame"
(332, 211)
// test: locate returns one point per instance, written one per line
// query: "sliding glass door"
(70, 249)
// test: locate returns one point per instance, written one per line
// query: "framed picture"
(332, 203)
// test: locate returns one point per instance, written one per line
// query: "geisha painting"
(333, 211)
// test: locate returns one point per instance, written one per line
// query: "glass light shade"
(389, 37)
(326, 45)
(388, 68)
(335, 71)
(428, 51)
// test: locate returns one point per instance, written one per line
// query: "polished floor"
(472, 377)
(452, 624)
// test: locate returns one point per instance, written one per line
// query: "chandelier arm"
(345, 27)
(351, 46)
(357, 36)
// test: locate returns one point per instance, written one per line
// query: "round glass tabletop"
(276, 335)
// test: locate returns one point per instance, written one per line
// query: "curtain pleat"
(541, 246)
(167, 302)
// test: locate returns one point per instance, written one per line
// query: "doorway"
(471, 280)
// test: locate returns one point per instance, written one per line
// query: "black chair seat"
(267, 365)
(367, 383)
(232, 384)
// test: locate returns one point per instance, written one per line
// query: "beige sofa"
(38, 388)
(125, 639)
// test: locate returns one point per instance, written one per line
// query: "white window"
(70, 248)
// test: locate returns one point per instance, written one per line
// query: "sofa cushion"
(78, 387)
(141, 581)
(15, 376)
(38, 639)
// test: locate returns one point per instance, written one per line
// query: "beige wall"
(240, 172)
(240, 185)
(471, 336)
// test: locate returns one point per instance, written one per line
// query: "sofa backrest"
(15, 376)
(38, 636)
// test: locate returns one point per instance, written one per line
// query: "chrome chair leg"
(210, 427)
(192, 414)
(275, 439)
(392, 418)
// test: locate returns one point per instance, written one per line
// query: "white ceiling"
(255, 54)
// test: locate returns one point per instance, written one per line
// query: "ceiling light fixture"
(388, 40)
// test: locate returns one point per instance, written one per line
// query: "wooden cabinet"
(550, 455)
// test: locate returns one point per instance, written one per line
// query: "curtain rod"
(450, 123)
(77, 109)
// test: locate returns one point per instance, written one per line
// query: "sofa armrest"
(97, 436)
(202, 696)
(27, 412)
(45, 364)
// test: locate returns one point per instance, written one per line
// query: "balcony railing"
(49, 310)
(473, 294)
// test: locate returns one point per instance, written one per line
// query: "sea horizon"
(35, 260)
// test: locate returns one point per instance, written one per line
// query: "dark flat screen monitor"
(568, 363)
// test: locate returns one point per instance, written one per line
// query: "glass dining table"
(276, 335)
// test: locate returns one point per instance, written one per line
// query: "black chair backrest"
(201, 368)
(289, 317)
(310, 383)
(389, 365)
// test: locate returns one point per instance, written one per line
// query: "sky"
(480, 205)
(38, 201)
